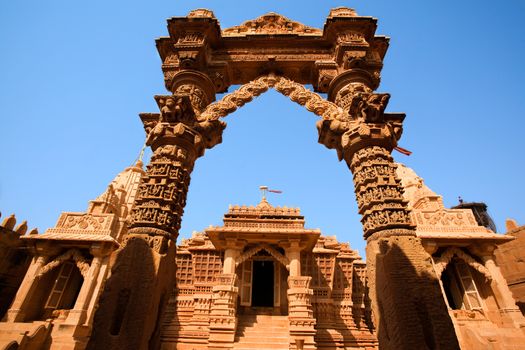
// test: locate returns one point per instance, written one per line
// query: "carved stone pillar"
(78, 315)
(144, 270)
(408, 306)
(510, 312)
(231, 253)
(223, 321)
(294, 256)
(300, 313)
(16, 312)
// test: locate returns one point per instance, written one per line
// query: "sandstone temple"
(113, 277)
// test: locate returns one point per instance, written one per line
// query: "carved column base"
(408, 305)
(134, 296)
(300, 314)
(223, 321)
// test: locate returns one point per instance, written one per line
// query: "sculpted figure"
(369, 108)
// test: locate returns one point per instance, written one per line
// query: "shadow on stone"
(130, 306)
(410, 312)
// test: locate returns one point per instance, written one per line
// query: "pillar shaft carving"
(364, 140)
(223, 322)
(403, 287)
(144, 269)
(177, 139)
(379, 193)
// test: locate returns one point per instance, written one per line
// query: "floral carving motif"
(72, 254)
(83, 222)
(273, 252)
(442, 262)
(295, 91)
(271, 23)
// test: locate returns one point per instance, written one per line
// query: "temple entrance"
(263, 280)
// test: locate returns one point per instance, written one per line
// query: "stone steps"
(262, 332)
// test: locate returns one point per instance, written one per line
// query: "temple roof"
(434, 221)
(262, 210)
(262, 223)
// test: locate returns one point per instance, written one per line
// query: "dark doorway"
(262, 289)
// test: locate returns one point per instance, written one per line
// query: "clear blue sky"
(75, 75)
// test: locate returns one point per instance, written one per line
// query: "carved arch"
(442, 262)
(272, 251)
(296, 92)
(71, 254)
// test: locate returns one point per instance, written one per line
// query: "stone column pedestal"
(223, 320)
(300, 313)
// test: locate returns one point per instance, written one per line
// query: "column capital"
(368, 126)
(177, 137)
(178, 124)
(366, 123)
(195, 84)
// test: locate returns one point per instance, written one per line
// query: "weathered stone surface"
(510, 258)
(431, 276)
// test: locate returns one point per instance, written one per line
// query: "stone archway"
(344, 60)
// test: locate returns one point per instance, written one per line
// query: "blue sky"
(75, 75)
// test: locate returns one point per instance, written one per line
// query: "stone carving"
(71, 254)
(191, 38)
(310, 100)
(83, 222)
(272, 251)
(378, 191)
(177, 138)
(198, 97)
(271, 23)
(441, 263)
(351, 37)
(155, 239)
(203, 13)
(295, 91)
(368, 108)
(342, 12)
(238, 98)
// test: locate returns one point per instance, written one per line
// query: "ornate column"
(27, 287)
(408, 306)
(508, 308)
(294, 255)
(223, 320)
(144, 270)
(41, 252)
(78, 315)
(299, 293)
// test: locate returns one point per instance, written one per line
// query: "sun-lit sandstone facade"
(113, 278)
(479, 301)
(312, 286)
(510, 258)
(56, 300)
